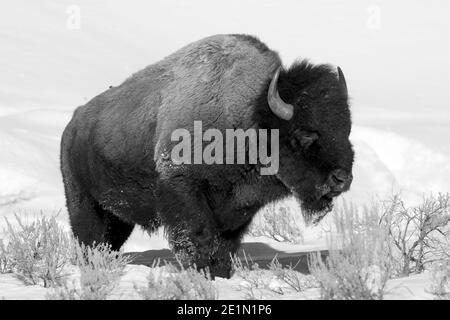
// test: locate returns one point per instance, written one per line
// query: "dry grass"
(255, 282)
(440, 277)
(294, 280)
(277, 222)
(278, 280)
(177, 283)
(420, 234)
(6, 262)
(359, 262)
(100, 271)
(38, 251)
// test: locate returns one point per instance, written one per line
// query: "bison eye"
(303, 139)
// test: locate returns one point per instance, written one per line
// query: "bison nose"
(339, 180)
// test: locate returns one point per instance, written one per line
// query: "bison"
(116, 150)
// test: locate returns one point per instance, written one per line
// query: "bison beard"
(115, 152)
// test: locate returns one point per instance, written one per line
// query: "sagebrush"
(420, 234)
(100, 271)
(440, 277)
(177, 283)
(257, 283)
(37, 251)
(359, 262)
(292, 278)
(6, 261)
(277, 222)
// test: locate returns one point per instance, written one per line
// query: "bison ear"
(342, 82)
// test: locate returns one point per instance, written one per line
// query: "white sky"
(395, 55)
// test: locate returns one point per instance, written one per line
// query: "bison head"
(309, 105)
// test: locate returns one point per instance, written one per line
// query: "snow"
(414, 287)
(12, 288)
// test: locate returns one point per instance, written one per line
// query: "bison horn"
(282, 109)
(342, 82)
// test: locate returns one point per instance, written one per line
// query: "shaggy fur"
(115, 152)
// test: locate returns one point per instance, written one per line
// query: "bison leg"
(93, 224)
(212, 252)
(225, 247)
(116, 231)
(96, 225)
(191, 229)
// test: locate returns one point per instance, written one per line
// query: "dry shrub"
(38, 251)
(255, 282)
(279, 223)
(359, 261)
(6, 262)
(177, 283)
(440, 278)
(100, 271)
(420, 234)
(295, 280)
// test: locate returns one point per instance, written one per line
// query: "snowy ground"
(414, 287)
